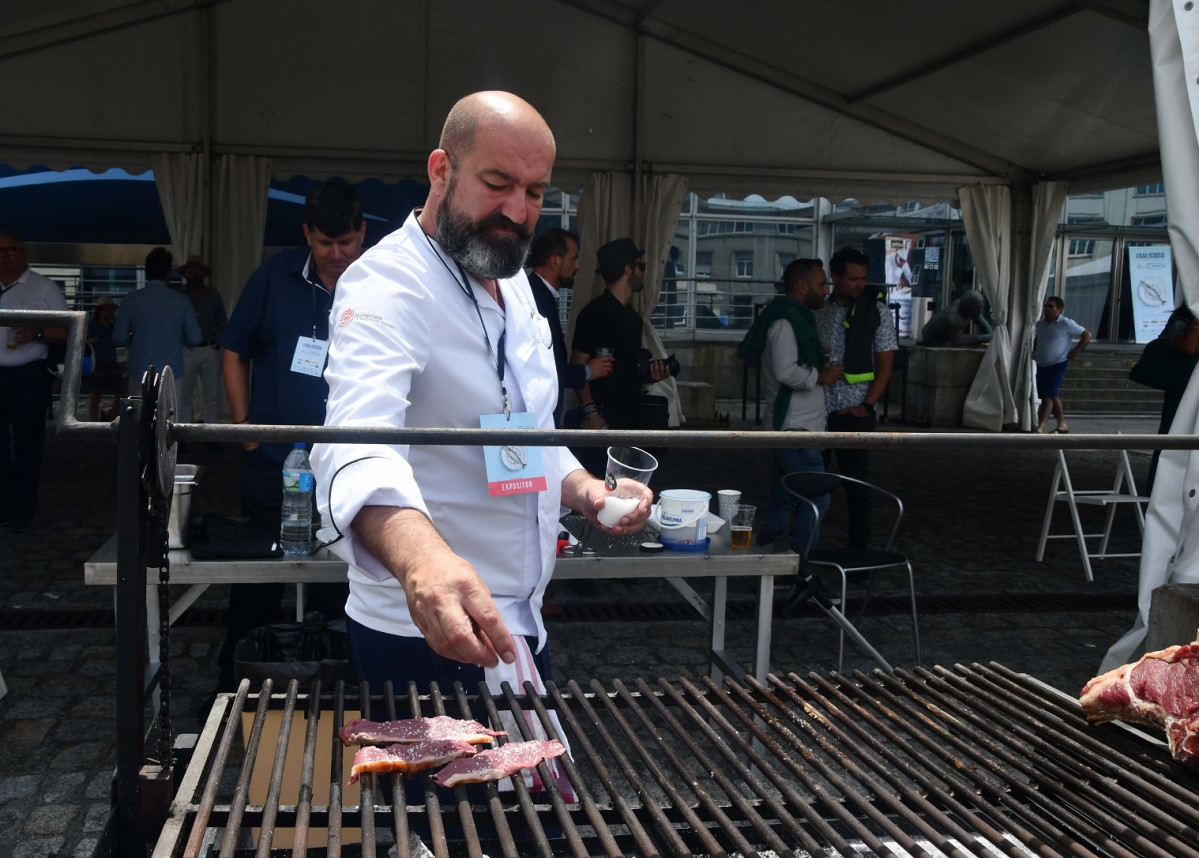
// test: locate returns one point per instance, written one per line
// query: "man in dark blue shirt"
(273, 358)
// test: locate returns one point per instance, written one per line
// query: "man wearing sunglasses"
(608, 325)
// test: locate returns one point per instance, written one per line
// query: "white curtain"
(1168, 551)
(179, 177)
(1048, 199)
(987, 216)
(240, 192)
(608, 210)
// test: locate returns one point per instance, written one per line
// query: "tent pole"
(638, 106)
(206, 63)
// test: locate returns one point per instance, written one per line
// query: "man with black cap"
(608, 325)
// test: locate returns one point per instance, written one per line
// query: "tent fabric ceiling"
(838, 97)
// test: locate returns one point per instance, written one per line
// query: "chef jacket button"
(1192, 492)
(1171, 558)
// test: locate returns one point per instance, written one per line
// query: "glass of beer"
(741, 528)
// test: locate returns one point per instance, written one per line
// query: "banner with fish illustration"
(1152, 282)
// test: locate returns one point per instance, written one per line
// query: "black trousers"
(24, 398)
(254, 605)
(856, 464)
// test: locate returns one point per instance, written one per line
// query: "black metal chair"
(857, 565)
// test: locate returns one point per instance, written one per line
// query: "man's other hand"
(600, 367)
(594, 494)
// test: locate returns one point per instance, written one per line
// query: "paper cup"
(728, 500)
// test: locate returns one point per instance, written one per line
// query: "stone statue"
(949, 325)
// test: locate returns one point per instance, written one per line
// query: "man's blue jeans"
(778, 508)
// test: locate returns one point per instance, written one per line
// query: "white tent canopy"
(858, 98)
(1172, 522)
(845, 99)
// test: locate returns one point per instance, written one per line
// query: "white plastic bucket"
(684, 516)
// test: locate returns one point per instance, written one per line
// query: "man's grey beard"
(484, 256)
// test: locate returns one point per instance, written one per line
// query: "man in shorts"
(1053, 351)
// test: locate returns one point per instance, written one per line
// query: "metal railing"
(66, 422)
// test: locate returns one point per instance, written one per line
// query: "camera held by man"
(645, 369)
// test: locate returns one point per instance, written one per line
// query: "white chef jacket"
(407, 349)
(30, 291)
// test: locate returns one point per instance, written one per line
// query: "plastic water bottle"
(295, 533)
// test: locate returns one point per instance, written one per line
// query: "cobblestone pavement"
(971, 528)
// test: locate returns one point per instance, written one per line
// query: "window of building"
(1081, 247)
(1089, 268)
(786, 228)
(784, 260)
(743, 260)
(723, 227)
(703, 263)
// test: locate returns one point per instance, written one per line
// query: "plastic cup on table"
(741, 527)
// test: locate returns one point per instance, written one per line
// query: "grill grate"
(968, 761)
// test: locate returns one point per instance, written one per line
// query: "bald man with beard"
(450, 548)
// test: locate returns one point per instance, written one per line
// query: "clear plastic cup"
(741, 528)
(628, 469)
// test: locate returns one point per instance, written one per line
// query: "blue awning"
(115, 207)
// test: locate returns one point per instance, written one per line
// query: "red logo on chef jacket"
(346, 318)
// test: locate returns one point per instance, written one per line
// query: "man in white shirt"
(24, 382)
(1053, 350)
(450, 547)
(794, 373)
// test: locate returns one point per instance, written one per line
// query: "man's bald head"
(486, 182)
(493, 111)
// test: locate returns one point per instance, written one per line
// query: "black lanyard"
(496, 353)
(317, 286)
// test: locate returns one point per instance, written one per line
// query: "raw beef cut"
(496, 763)
(409, 730)
(409, 759)
(1161, 690)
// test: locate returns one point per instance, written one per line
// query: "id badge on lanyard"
(514, 468)
(309, 358)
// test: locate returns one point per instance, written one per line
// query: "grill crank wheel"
(145, 485)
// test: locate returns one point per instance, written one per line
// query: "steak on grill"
(409, 730)
(1161, 690)
(408, 759)
(496, 763)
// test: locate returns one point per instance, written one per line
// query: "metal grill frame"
(969, 761)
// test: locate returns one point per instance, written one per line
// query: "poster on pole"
(1149, 275)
